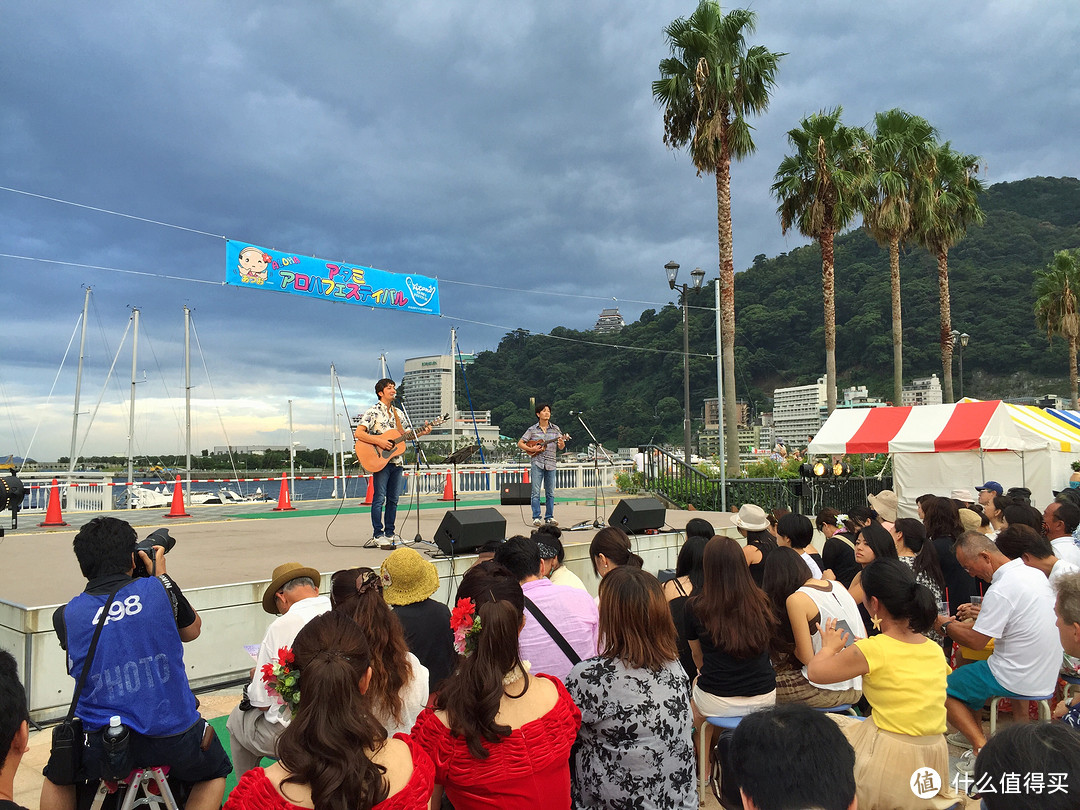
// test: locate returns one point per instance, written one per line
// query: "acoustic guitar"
(535, 447)
(373, 458)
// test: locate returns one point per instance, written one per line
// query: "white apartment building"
(427, 384)
(925, 391)
(858, 397)
(799, 412)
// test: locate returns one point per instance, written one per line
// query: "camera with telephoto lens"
(159, 537)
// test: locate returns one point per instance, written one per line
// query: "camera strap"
(104, 617)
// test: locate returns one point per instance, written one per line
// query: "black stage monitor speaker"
(636, 515)
(466, 530)
(516, 494)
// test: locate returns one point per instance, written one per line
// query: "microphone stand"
(419, 452)
(597, 523)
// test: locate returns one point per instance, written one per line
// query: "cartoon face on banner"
(247, 265)
(252, 265)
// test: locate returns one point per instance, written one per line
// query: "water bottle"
(115, 743)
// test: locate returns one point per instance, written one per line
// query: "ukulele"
(535, 447)
(373, 458)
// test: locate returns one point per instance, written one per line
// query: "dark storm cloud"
(509, 144)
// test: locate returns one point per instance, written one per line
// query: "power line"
(443, 315)
(108, 211)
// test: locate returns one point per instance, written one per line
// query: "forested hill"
(634, 394)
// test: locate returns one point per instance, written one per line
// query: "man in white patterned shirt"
(381, 417)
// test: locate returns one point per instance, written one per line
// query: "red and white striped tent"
(939, 448)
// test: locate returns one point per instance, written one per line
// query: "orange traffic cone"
(284, 504)
(448, 489)
(52, 514)
(370, 493)
(525, 480)
(177, 501)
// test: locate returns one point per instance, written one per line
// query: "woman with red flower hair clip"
(335, 754)
(498, 736)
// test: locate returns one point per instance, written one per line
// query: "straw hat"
(407, 577)
(283, 574)
(751, 517)
(884, 503)
(970, 520)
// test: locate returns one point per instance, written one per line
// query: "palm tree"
(708, 87)
(902, 151)
(819, 189)
(946, 203)
(1056, 291)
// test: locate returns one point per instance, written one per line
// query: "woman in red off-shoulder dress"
(334, 755)
(498, 736)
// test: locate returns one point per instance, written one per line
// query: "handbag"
(65, 759)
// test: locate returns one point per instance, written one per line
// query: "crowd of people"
(531, 693)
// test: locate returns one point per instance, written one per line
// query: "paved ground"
(227, 544)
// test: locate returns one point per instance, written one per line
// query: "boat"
(142, 497)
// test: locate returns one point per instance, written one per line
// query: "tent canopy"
(1060, 429)
(924, 429)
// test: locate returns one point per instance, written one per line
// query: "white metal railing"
(98, 492)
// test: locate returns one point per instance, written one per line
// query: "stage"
(224, 557)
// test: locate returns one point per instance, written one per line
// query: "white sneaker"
(966, 763)
(959, 740)
(390, 541)
(374, 542)
(551, 522)
(537, 522)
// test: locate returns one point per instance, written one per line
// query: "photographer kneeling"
(136, 673)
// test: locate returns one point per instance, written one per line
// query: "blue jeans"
(387, 483)
(547, 478)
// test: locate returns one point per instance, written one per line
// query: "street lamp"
(960, 341)
(697, 276)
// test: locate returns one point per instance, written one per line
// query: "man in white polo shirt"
(254, 725)
(1018, 612)
(1020, 542)
(1059, 522)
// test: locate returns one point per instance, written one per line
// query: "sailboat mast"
(187, 395)
(292, 458)
(131, 411)
(453, 385)
(336, 437)
(78, 386)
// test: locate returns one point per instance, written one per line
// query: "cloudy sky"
(510, 148)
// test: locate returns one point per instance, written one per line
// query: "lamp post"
(697, 276)
(960, 341)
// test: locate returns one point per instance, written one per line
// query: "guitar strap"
(397, 419)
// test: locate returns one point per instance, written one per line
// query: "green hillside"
(634, 394)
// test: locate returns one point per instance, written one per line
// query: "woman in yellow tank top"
(903, 676)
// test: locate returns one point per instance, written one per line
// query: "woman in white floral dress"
(634, 747)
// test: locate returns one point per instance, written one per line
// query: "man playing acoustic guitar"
(381, 417)
(540, 442)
